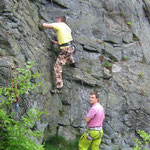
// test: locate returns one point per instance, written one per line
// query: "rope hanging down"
(52, 3)
(14, 90)
(82, 83)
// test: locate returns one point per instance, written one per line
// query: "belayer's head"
(61, 19)
(94, 98)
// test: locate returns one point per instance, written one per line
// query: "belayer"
(65, 42)
(94, 119)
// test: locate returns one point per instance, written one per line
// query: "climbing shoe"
(73, 65)
(56, 91)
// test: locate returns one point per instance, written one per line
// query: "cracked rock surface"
(113, 57)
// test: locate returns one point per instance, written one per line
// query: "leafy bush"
(18, 134)
(108, 65)
(140, 143)
(59, 143)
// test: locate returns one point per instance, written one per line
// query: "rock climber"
(65, 42)
(94, 119)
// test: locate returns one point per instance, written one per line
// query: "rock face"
(113, 57)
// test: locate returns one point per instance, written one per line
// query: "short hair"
(96, 94)
(63, 18)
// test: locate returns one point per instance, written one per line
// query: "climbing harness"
(96, 128)
(71, 46)
(88, 133)
(88, 136)
(66, 44)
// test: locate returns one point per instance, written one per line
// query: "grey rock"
(113, 29)
(68, 132)
(147, 8)
(2, 6)
(128, 38)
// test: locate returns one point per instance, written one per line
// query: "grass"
(89, 70)
(141, 75)
(1, 52)
(130, 23)
(50, 147)
(108, 65)
(125, 58)
(122, 14)
(40, 27)
(59, 143)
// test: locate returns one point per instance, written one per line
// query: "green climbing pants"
(94, 140)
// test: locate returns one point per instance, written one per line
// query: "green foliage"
(108, 65)
(23, 77)
(125, 58)
(59, 143)
(1, 52)
(138, 15)
(123, 134)
(122, 14)
(145, 140)
(104, 44)
(101, 42)
(19, 134)
(135, 37)
(89, 70)
(41, 28)
(141, 74)
(130, 23)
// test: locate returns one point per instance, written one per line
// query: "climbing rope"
(82, 82)
(15, 90)
(52, 4)
(11, 80)
(80, 92)
(16, 97)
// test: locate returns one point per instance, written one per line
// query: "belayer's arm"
(47, 25)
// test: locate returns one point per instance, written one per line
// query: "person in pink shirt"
(94, 119)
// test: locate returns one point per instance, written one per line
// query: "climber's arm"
(48, 25)
(54, 42)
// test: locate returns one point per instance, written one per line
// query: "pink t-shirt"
(97, 115)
